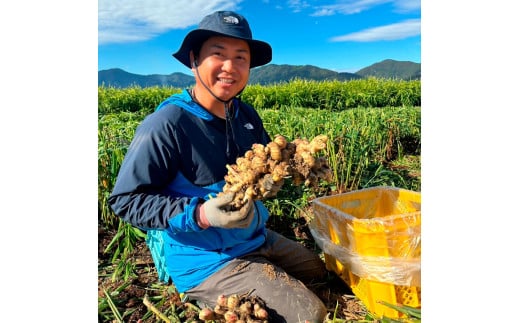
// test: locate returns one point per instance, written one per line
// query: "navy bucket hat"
(227, 24)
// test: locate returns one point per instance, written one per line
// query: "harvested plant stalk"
(154, 309)
(279, 159)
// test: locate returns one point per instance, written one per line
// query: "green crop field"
(374, 131)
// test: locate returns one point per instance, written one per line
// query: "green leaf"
(407, 310)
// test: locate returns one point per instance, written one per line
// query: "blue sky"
(343, 35)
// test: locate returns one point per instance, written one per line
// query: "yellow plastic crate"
(372, 239)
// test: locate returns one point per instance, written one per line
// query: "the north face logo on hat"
(231, 20)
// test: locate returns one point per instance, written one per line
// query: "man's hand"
(213, 213)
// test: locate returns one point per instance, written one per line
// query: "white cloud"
(297, 5)
(349, 7)
(400, 30)
(407, 5)
(134, 20)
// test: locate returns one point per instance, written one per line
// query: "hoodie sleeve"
(150, 163)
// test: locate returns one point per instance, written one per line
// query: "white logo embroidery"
(249, 126)
(231, 20)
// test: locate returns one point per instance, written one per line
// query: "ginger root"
(278, 160)
(236, 308)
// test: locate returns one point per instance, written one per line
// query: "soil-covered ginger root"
(236, 309)
(279, 159)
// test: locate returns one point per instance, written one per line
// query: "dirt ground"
(336, 295)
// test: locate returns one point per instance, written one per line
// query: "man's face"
(223, 65)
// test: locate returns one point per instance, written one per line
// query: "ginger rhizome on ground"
(297, 160)
(236, 308)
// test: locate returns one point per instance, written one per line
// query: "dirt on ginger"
(279, 159)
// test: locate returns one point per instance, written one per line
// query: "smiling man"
(221, 70)
(175, 167)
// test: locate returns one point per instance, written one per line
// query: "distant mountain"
(268, 74)
(389, 68)
(273, 73)
(118, 78)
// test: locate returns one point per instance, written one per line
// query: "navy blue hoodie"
(176, 160)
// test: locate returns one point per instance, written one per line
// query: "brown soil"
(130, 301)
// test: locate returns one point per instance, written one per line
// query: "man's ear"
(193, 60)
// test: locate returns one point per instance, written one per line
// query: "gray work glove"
(213, 210)
(269, 187)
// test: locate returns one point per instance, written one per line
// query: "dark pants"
(276, 272)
